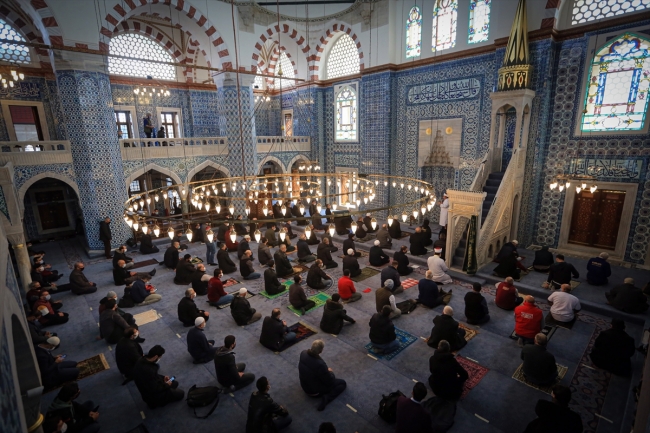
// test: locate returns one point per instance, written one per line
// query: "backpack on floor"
(442, 413)
(406, 307)
(203, 396)
(388, 406)
(132, 242)
(126, 301)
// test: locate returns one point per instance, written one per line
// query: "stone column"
(22, 258)
(87, 103)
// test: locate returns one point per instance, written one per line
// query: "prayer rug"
(266, 295)
(405, 235)
(366, 239)
(302, 330)
(407, 307)
(230, 282)
(145, 263)
(319, 299)
(519, 376)
(248, 296)
(408, 283)
(574, 284)
(469, 332)
(551, 321)
(88, 367)
(145, 317)
(365, 273)
(547, 330)
(363, 254)
(297, 269)
(196, 260)
(475, 371)
(405, 340)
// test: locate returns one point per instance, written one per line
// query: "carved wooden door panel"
(596, 218)
(608, 219)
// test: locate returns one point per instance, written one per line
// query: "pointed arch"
(328, 34)
(205, 164)
(268, 158)
(32, 180)
(268, 34)
(151, 166)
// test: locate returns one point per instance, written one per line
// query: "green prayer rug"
(319, 299)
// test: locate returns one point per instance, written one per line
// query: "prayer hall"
(320, 216)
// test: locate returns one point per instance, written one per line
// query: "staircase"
(459, 253)
(491, 187)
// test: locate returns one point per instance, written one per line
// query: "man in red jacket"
(528, 321)
(216, 295)
(346, 288)
(507, 296)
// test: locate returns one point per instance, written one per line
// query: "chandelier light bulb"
(280, 201)
(353, 227)
(223, 187)
(248, 210)
(135, 205)
(415, 213)
(560, 188)
(307, 232)
(283, 234)
(156, 198)
(207, 206)
(593, 189)
(283, 209)
(385, 183)
(553, 185)
(199, 204)
(584, 186)
(365, 200)
(423, 209)
(231, 209)
(567, 185)
(578, 189)
(401, 185)
(318, 207)
(148, 200)
(404, 216)
(129, 221)
(302, 208)
(390, 220)
(410, 186)
(130, 208)
(334, 206)
(258, 235)
(136, 225)
(171, 233)
(331, 229)
(394, 183)
(217, 208)
(233, 234)
(265, 211)
(156, 230)
(145, 228)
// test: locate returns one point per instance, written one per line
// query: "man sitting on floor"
(304, 253)
(77, 417)
(120, 254)
(334, 315)
(446, 328)
(264, 414)
(598, 270)
(272, 285)
(54, 369)
(317, 279)
(216, 294)
(230, 374)
(79, 282)
(529, 320)
(411, 416)
(275, 332)
(384, 297)
(316, 379)
(402, 261)
(476, 309)
(184, 270)
(156, 390)
(348, 245)
(507, 250)
(385, 241)
(49, 315)
(351, 264)
(382, 331)
(543, 259)
(241, 309)
(428, 293)
(555, 416)
(508, 267)
(172, 256)
(417, 241)
(330, 241)
(198, 345)
(128, 351)
(447, 375)
(122, 276)
(298, 298)
(246, 268)
(613, 350)
(146, 245)
(439, 268)
(282, 263)
(626, 297)
(377, 256)
(324, 253)
(264, 253)
(347, 291)
(560, 273)
(111, 324)
(200, 280)
(564, 305)
(390, 273)
(507, 297)
(243, 247)
(539, 365)
(188, 311)
(225, 262)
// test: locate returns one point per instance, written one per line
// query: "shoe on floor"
(322, 405)
(153, 272)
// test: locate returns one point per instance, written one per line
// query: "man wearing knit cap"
(377, 256)
(242, 311)
(198, 345)
(438, 267)
(351, 263)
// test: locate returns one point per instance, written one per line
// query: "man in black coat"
(304, 253)
(330, 241)
(390, 273)
(265, 415)
(334, 315)
(613, 350)
(188, 311)
(417, 241)
(200, 280)
(105, 236)
(316, 379)
(246, 268)
(230, 374)
(446, 328)
(225, 262)
(382, 331)
(561, 272)
(282, 263)
(79, 282)
(272, 285)
(275, 332)
(184, 271)
(146, 245)
(402, 261)
(377, 257)
(508, 249)
(120, 254)
(128, 351)
(324, 253)
(156, 390)
(447, 375)
(539, 365)
(351, 263)
(555, 416)
(241, 309)
(198, 345)
(172, 256)
(244, 246)
(122, 276)
(543, 259)
(240, 228)
(628, 298)
(54, 369)
(78, 417)
(348, 244)
(367, 221)
(317, 279)
(221, 231)
(411, 417)
(476, 309)
(395, 230)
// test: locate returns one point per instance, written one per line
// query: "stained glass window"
(286, 66)
(445, 15)
(479, 21)
(346, 114)
(414, 33)
(344, 58)
(617, 90)
(11, 52)
(591, 10)
(135, 45)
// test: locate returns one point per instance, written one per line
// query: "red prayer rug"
(476, 373)
(409, 282)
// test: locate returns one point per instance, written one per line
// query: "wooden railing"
(35, 152)
(481, 174)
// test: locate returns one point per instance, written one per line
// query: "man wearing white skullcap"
(198, 345)
(377, 256)
(438, 268)
(351, 263)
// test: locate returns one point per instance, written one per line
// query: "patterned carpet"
(405, 340)
(230, 282)
(248, 296)
(408, 283)
(302, 330)
(469, 332)
(88, 367)
(365, 273)
(145, 263)
(267, 296)
(319, 299)
(519, 376)
(476, 373)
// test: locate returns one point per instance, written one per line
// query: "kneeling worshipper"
(446, 328)
(382, 331)
(384, 297)
(55, 370)
(316, 379)
(447, 375)
(188, 311)
(377, 256)
(317, 279)
(334, 315)
(127, 352)
(146, 245)
(272, 286)
(230, 374)
(476, 309)
(403, 261)
(555, 416)
(351, 264)
(111, 324)
(184, 270)
(265, 415)
(539, 365)
(298, 298)
(275, 332)
(628, 298)
(598, 270)
(508, 267)
(428, 293)
(564, 305)
(543, 259)
(241, 309)
(438, 267)
(198, 345)
(225, 262)
(417, 241)
(75, 417)
(156, 390)
(613, 350)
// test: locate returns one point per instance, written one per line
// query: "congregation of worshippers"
(231, 254)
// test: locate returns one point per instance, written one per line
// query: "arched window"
(414, 33)
(617, 90)
(11, 52)
(445, 14)
(591, 10)
(346, 113)
(284, 65)
(344, 58)
(479, 21)
(139, 46)
(258, 84)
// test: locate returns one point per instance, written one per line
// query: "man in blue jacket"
(598, 270)
(140, 294)
(316, 379)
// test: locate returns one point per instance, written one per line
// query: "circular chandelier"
(583, 182)
(214, 201)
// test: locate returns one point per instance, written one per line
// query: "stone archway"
(23, 189)
(151, 166)
(204, 165)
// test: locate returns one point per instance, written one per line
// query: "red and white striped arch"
(326, 37)
(53, 34)
(275, 58)
(278, 29)
(27, 29)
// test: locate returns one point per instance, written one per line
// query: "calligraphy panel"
(628, 169)
(444, 91)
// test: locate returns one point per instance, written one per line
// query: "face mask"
(40, 269)
(48, 297)
(135, 335)
(81, 269)
(64, 428)
(44, 312)
(39, 262)
(124, 265)
(157, 360)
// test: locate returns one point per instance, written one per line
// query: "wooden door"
(596, 218)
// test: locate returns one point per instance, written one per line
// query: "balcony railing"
(35, 152)
(136, 149)
(267, 144)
